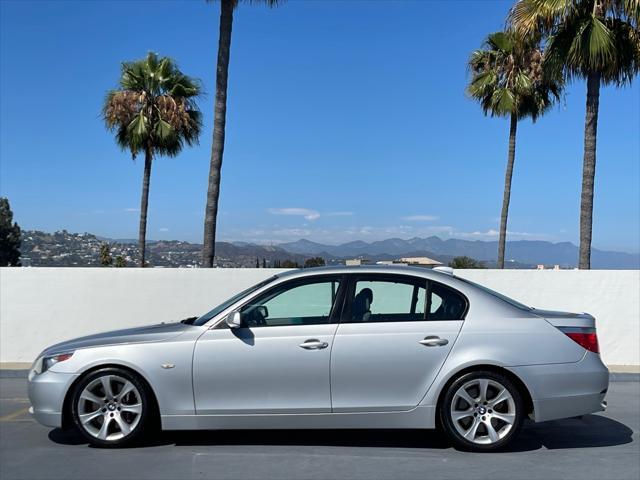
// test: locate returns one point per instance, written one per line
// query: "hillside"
(82, 249)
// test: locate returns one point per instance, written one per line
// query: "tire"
(482, 411)
(97, 399)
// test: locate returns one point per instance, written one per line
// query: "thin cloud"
(307, 213)
(335, 235)
(131, 210)
(420, 218)
(489, 233)
(493, 233)
(292, 232)
(340, 214)
(163, 229)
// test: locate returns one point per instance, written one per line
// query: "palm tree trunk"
(511, 157)
(589, 169)
(144, 203)
(217, 148)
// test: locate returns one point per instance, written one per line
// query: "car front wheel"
(111, 407)
(482, 411)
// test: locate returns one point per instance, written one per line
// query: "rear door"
(395, 333)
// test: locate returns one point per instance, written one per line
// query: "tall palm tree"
(219, 122)
(507, 81)
(153, 110)
(597, 40)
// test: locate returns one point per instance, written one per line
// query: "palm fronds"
(507, 77)
(154, 107)
(584, 36)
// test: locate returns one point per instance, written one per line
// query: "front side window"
(308, 303)
(223, 306)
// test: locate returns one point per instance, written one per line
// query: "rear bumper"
(566, 390)
(47, 392)
(566, 407)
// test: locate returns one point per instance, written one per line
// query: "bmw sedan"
(348, 347)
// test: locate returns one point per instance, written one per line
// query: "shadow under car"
(584, 432)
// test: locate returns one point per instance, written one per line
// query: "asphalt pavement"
(601, 446)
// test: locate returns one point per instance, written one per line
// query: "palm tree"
(152, 111)
(219, 122)
(507, 81)
(597, 40)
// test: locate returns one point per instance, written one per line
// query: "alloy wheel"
(483, 411)
(109, 408)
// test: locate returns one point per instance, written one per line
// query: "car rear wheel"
(482, 411)
(111, 407)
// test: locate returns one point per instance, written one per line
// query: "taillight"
(585, 337)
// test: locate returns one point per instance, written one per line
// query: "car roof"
(380, 269)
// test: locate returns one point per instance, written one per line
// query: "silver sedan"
(354, 347)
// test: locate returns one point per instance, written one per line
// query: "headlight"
(48, 362)
(45, 363)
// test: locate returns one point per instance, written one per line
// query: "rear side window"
(401, 299)
(445, 303)
(387, 301)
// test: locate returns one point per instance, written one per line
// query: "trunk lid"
(566, 319)
(579, 327)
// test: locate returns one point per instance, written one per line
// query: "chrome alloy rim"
(483, 411)
(109, 407)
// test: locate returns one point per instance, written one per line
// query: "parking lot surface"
(602, 446)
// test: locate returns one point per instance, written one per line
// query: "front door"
(395, 334)
(278, 361)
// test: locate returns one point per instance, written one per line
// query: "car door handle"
(433, 341)
(314, 344)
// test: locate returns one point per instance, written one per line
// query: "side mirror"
(234, 319)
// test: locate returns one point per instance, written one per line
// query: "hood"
(150, 333)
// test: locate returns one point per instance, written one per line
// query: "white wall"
(42, 306)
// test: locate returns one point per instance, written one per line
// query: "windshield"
(224, 305)
(502, 297)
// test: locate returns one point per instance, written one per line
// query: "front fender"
(165, 366)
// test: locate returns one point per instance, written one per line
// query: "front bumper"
(47, 392)
(565, 390)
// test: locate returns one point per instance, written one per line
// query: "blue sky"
(346, 120)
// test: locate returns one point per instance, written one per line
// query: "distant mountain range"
(74, 249)
(528, 252)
